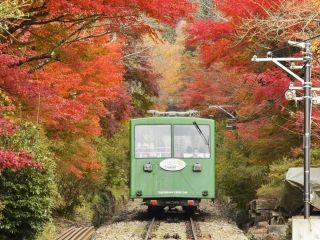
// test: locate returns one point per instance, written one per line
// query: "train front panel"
(172, 159)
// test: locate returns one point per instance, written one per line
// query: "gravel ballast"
(211, 221)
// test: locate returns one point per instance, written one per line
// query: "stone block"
(306, 229)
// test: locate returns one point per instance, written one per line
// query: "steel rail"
(148, 235)
(193, 228)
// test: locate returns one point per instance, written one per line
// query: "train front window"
(189, 142)
(152, 141)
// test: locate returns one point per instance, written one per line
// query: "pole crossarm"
(288, 71)
(270, 59)
(277, 62)
(301, 88)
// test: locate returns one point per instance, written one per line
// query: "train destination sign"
(173, 192)
(172, 164)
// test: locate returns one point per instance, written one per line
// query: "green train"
(172, 160)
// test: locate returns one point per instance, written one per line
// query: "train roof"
(171, 120)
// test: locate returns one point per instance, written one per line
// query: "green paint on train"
(172, 160)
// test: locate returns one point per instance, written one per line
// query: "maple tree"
(77, 104)
(268, 126)
(63, 22)
(72, 68)
(231, 39)
(81, 39)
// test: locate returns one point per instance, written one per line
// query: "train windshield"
(152, 141)
(190, 143)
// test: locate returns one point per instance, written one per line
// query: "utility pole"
(307, 128)
(309, 97)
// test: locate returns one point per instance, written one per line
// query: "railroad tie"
(73, 233)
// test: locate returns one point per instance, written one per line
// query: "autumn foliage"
(78, 69)
(64, 62)
(15, 161)
(268, 127)
(243, 29)
(77, 104)
(73, 69)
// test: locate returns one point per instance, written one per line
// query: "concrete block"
(262, 224)
(278, 230)
(306, 229)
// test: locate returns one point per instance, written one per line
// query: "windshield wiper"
(206, 141)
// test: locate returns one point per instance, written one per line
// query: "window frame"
(172, 138)
(173, 141)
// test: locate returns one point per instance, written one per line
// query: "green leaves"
(27, 194)
(114, 155)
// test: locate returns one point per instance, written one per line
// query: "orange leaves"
(70, 78)
(15, 161)
(59, 78)
(271, 86)
(89, 75)
(209, 31)
(212, 37)
(64, 114)
(210, 53)
(7, 127)
(166, 11)
(210, 86)
(85, 168)
(85, 7)
(97, 62)
(247, 8)
(252, 131)
(81, 161)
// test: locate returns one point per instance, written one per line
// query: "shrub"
(27, 194)
(93, 188)
(237, 176)
(274, 183)
(239, 180)
(114, 153)
(78, 172)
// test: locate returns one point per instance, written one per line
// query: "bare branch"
(288, 20)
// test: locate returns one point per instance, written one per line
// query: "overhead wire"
(259, 111)
(292, 45)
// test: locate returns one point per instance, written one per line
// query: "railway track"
(77, 233)
(149, 230)
(193, 229)
(191, 224)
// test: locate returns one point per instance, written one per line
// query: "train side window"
(189, 143)
(152, 141)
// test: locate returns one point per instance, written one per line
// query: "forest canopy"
(73, 72)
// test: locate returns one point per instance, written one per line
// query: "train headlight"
(197, 167)
(147, 167)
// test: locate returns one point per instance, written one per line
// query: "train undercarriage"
(156, 206)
